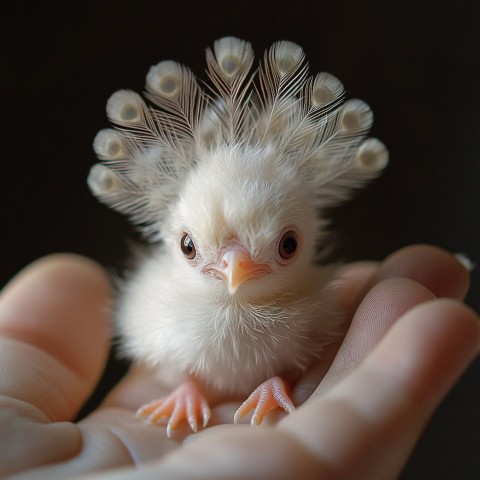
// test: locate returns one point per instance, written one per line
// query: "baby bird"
(231, 185)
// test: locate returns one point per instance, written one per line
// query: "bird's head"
(244, 222)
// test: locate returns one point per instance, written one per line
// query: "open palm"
(363, 407)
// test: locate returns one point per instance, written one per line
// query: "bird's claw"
(185, 403)
(269, 395)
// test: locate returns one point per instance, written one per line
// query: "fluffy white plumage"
(234, 182)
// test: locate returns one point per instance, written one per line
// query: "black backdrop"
(417, 65)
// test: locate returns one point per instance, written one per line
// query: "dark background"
(416, 64)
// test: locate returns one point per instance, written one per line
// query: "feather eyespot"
(188, 247)
(288, 246)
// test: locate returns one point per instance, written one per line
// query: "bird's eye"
(288, 245)
(188, 247)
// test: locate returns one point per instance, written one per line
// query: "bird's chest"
(236, 347)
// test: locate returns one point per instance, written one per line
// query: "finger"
(437, 270)
(367, 425)
(422, 272)
(54, 334)
(380, 309)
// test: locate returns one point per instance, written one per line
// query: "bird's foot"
(185, 403)
(269, 395)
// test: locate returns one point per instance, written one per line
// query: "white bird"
(231, 184)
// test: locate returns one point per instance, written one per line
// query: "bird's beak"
(236, 266)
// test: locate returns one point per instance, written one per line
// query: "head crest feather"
(304, 119)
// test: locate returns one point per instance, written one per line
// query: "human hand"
(405, 348)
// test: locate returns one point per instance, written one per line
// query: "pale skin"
(410, 340)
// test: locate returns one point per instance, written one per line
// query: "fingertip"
(437, 269)
(59, 303)
(64, 262)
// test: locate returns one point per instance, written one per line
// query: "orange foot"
(185, 403)
(269, 395)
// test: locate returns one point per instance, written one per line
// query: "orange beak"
(236, 266)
